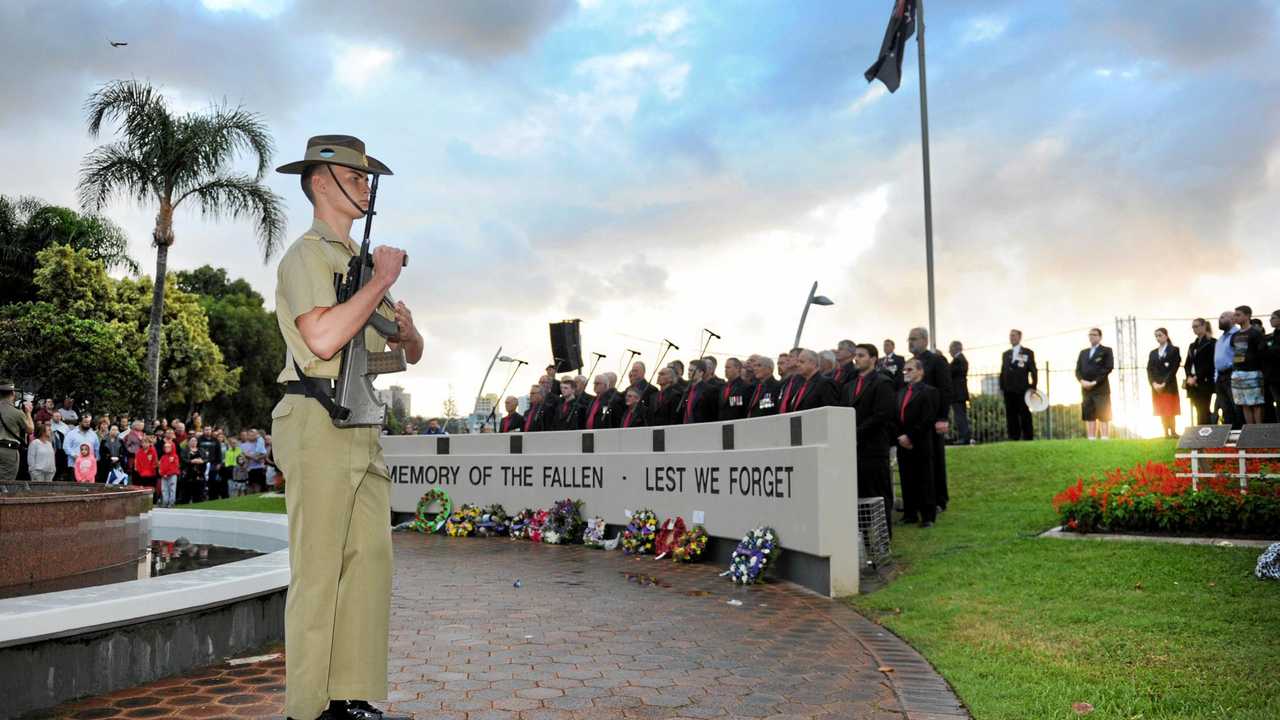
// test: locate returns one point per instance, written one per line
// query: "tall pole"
(805, 313)
(480, 392)
(928, 185)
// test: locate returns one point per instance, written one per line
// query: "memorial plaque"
(517, 444)
(726, 438)
(1202, 437)
(1262, 436)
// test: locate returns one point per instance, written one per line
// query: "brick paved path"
(591, 634)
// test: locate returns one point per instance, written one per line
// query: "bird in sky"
(115, 44)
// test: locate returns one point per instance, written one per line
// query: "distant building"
(395, 394)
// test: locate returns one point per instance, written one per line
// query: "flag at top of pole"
(902, 25)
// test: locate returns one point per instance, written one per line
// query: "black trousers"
(1230, 413)
(1018, 417)
(919, 497)
(960, 416)
(1202, 401)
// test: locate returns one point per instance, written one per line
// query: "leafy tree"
(250, 341)
(28, 225)
(59, 353)
(74, 285)
(163, 159)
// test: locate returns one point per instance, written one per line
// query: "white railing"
(1240, 457)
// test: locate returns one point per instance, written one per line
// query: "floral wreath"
(426, 522)
(638, 538)
(564, 522)
(462, 523)
(538, 524)
(493, 521)
(690, 545)
(593, 533)
(518, 525)
(670, 531)
(758, 549)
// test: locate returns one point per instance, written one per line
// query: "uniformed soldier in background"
(14, 426)
(339, 491)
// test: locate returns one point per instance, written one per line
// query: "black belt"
(10, 444)
(297, 387)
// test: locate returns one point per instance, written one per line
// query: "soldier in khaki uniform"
(14, 426)
(338, 494)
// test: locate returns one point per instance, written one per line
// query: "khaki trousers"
(337, 613)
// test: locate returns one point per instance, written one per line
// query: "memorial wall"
(795, 473)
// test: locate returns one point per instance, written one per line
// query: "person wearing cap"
(15, 425)
(338, 495)
(1093, 370)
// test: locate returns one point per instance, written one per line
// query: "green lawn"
(1024, 627)
(244, 503)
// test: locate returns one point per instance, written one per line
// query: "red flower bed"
(1152, 498)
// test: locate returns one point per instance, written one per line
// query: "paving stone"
(579, 641)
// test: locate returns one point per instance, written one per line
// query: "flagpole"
(928, 185)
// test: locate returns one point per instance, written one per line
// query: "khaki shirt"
(304, 282)
(13, 422)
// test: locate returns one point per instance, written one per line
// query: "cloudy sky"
(655, 168)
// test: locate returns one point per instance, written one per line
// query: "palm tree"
(165, 159)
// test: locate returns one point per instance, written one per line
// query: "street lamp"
(813, 299)
(497, 356)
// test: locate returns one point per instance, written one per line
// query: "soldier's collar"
(322, 229)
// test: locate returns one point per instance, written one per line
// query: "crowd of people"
(902, 403)
(183, 462)
(1233, 379)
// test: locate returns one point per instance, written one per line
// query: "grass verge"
(243, 503)
(1024, 627)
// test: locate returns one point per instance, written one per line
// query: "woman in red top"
(170, 466)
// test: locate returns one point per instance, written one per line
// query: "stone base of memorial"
(59, 646)
(795, 473)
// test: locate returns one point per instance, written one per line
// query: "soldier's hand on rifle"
(404, 319)
(387, 263)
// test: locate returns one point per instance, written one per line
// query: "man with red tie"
(732, 398)
(648, 393)
(513, 420)
(816, 390)
(605, 410)
(763, 399)
(666, 409)
(846, 369)
(791, 382)
(871, 394)
(699, 403)
(634, 415)
(535, 417)
(569, 414)
(917, 412)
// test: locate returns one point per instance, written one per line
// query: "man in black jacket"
(960, 391)
(763, 400)
(666, 409)
(731, 397)
(569, 414)
(891, 364)
(871, 394)
(513, 420)
(917, 407)
(535, 417)
(699, 404)
(1093, 368)
(937, 375)
(846, 369)
(816, 390)
(1200, 372)
(1017, 375)
(647, 393)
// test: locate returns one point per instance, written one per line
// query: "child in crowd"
(117, 475)
(240, 475)
(86, 465)
(146, 464)
(170, 466)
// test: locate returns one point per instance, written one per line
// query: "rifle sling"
(318, 389)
